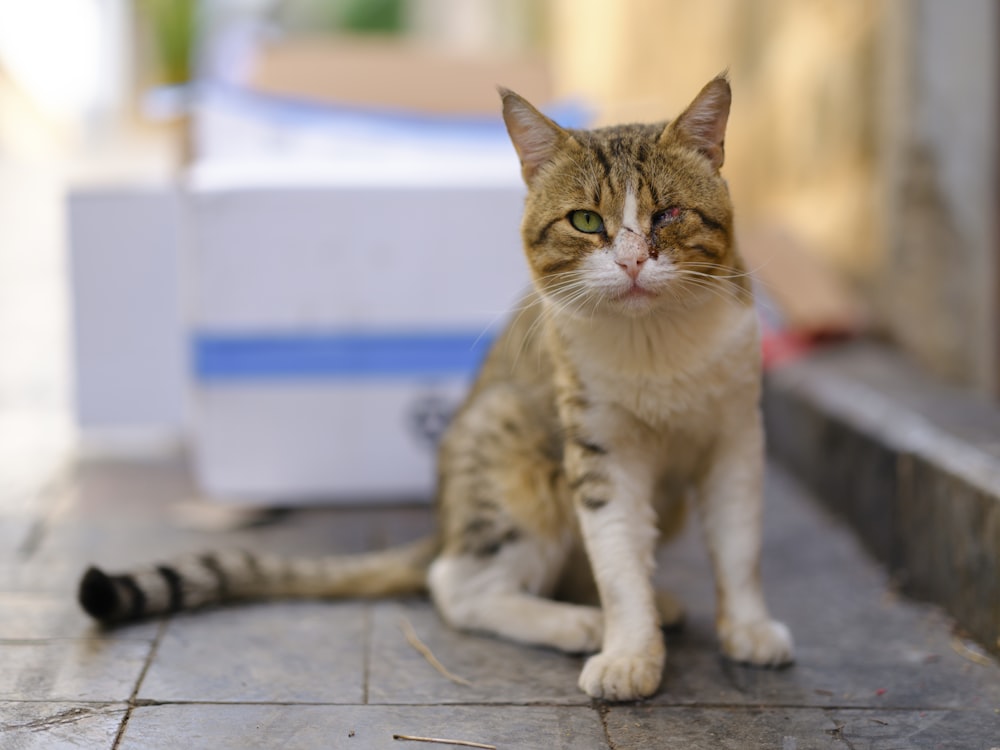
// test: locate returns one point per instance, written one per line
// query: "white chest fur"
(662, 368)
(666, 386)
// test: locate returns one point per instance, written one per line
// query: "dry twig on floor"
(414, 640)
(463, 743)
(973, 654)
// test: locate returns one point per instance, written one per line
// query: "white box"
(309, 305)
(128, 334)
(334, 325)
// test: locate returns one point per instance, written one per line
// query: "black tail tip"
(98, 595)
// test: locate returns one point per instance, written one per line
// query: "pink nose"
(632, 265)
(631, 250)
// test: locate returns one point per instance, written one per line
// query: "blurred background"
(862, 156)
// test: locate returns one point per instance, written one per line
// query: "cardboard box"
(395, 74)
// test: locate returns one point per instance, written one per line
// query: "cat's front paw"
(622, 676)
(764, 643)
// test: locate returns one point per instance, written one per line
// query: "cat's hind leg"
(671, 611)
(507, 526)
(497, 596)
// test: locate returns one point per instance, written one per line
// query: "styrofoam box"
(129, 353)
(336, 322)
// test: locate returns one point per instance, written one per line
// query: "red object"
(780, 346)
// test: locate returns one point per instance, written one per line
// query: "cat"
(628, 380)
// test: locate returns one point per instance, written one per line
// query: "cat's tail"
(214, 578)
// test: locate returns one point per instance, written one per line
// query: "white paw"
(764, 643)
(622, 676)
(583, 631)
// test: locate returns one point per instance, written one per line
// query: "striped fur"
(233, 575)
(627, 381)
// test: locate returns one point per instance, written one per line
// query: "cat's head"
(630, 219)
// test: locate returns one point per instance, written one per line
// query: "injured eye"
(667, 216)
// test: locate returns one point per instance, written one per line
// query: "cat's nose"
(631, 251)
(632, 265)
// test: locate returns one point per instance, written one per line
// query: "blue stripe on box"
(220, 357)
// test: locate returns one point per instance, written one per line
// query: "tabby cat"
(629, 380)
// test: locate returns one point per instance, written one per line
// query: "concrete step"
(913, 465)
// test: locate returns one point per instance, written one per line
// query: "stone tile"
(74, 670)
(14, 531)
(34, 445)
(307, 652)
(715, 729)
(115, 543)
(858, 643)
(40, 578)
(828, 677)
(798, 729)
(803, 544)
(135, 487)
(151, 490)
(942, 730)
(17, 499)
(912, 463)
(126, 541)
(323, 531)
(500, 671)
(240, 727)
(404, 523)
(122, 543)
(29, 616)
(59, 726)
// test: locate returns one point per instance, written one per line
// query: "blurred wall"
(938, 287)
(864, 131)
(800, 140)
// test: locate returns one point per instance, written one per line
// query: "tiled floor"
(873, 671)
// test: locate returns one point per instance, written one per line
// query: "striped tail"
(198, 581)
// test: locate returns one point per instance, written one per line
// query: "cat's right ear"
(536, 138)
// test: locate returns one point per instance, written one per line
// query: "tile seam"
(133, 700)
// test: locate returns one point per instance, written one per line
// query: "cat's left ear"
(536, 138)
(703, 124)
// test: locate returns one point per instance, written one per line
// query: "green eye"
(587, 221)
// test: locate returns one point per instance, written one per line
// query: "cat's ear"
(536, 138)
(703, 124)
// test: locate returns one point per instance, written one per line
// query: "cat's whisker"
(723, 281)
(708, 264)
(535, 300)
(750, 273)
(733, 293)
(568, 302)
(546, 310)
(720, 276)
(529, 334)
(721, 291)
(538, 300)
(744, 295)
(492, 325)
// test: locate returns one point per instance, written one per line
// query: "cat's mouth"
(635, 292)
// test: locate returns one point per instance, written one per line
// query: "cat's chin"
(635, 301)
